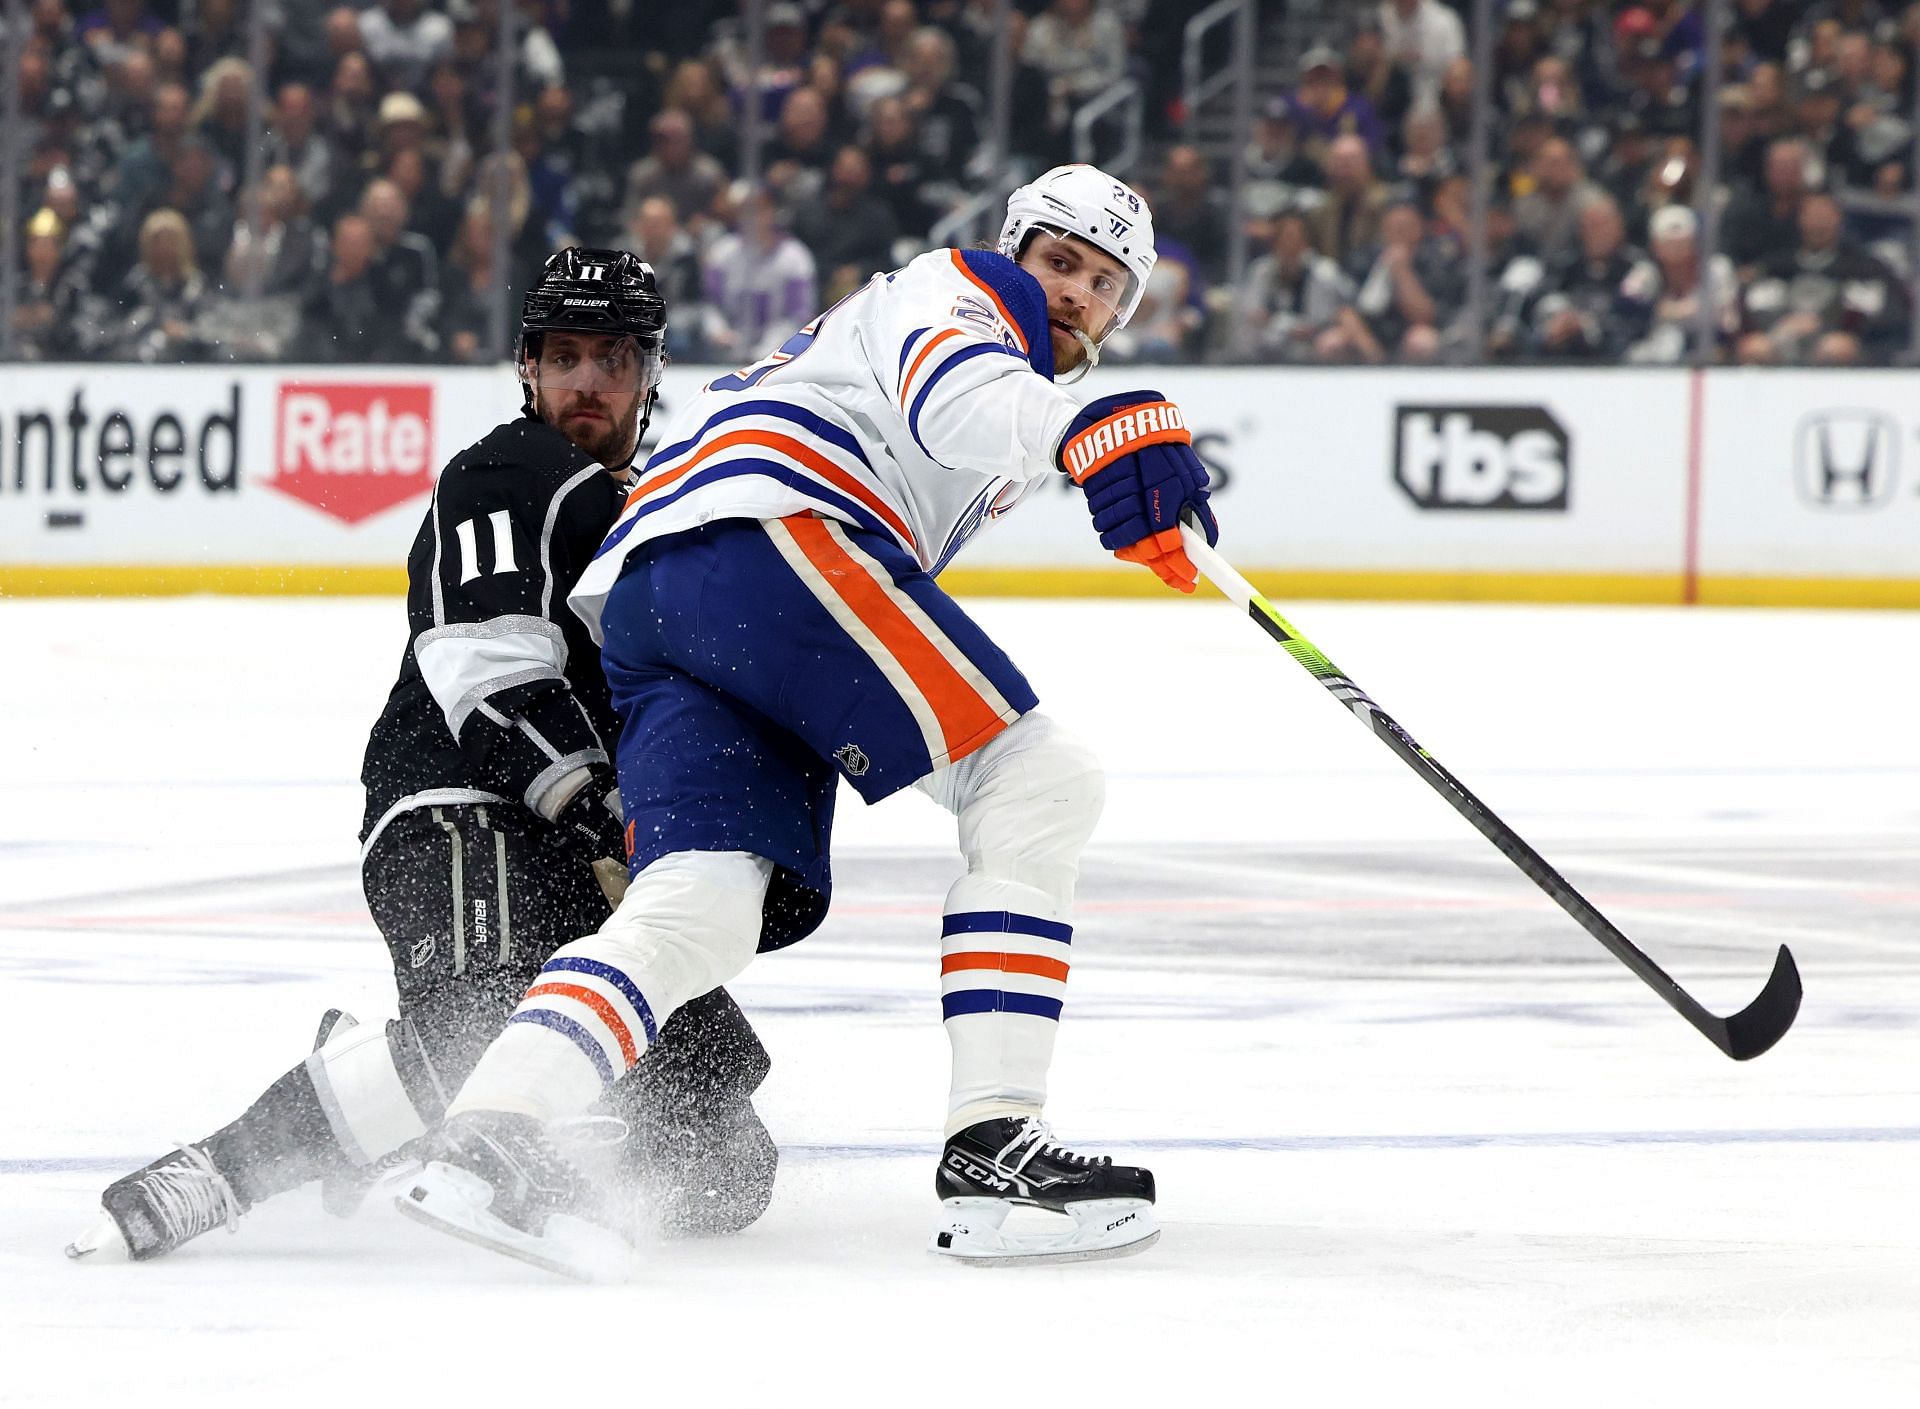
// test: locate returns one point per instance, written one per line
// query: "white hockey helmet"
(1104, 211)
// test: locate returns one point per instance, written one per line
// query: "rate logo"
(353, 450)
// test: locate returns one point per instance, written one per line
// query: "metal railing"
(1196, 87)
(1125, 95)
(969, 222)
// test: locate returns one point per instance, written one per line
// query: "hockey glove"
(1133, 457)
(588, 817)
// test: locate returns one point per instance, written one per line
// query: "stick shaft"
(1755, 1029)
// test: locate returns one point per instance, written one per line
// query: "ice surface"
(1417, 1136)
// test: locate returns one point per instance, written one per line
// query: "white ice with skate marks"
(1413, 1131)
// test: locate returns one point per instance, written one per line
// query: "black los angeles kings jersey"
(500, 697)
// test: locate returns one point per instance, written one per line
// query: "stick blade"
(1766, 1019)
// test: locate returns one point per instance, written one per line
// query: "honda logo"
(1847, 459)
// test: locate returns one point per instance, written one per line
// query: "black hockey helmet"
(611, 292)
(594, 291)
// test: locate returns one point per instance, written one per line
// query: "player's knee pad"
(377, 1086)
(1027, 802)
(688, 922)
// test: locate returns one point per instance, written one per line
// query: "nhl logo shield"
(853, 760)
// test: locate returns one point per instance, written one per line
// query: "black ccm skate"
(990, 1169)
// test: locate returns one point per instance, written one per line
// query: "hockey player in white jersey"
(770, 623)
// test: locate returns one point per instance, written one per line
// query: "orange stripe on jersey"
(914, 370)
(987, 289)
(602, 1009)
(1006, 964)
(966, 719)
(794, 449)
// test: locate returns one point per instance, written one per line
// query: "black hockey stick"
(1747, 1033)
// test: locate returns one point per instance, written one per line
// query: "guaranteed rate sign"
(353, 449)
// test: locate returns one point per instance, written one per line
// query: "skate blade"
(453, 1201)
(973, 1233)
(100, 1243)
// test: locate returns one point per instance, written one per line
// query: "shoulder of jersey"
(991, 282)
(526, 447)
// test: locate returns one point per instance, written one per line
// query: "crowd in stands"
(362, 226)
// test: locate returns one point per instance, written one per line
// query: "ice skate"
(154, 1210)
(990, 1169)
(497, 1180)
(707, 1175)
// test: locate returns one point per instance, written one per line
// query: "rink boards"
(1604, 485)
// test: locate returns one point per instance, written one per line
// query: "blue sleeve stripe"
(1004, 922)
(965, 354)
(780, 410)
(574, 1033)
(906, 350)
(994, 1000)
(619, 980)
(1022, 297)
(786, 474)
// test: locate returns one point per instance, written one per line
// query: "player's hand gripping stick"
(1133, 457)
(1745, 1034)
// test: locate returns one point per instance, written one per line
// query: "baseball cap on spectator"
(1518, 10)
(401, 107)
(1319, 57)
(1633, 26)
(463, 12)
(1815, 82)
(1672, 222)
(786, 14)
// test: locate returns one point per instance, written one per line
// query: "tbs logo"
(1482, 457)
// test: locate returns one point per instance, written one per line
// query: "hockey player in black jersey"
(490, 799)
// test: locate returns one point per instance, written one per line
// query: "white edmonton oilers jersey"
(911, 408)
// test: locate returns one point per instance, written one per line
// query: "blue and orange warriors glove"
(1133, 456)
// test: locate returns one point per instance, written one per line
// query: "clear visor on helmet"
(1085, 275)
(593, 362)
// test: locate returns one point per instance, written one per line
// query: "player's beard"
(612, 447)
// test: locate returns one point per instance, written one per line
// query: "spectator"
(431, 211)
(677, 169)
(783, 65)
(294, 143)
(1675, 289)
(1168, 322)
(945, 113)
(1762, 224)
(43, 314)
(1374, 76)
(469, 289)
(1291, 299)
(849, 230)
(117, 29)
(1426, 159)
(760, 279)
(1277, 169)
(655, 235)
(1826, 301)
(1395, 312)
(350, 113)
(1596, 301)
(219, 117)
(1081, 49)
(342, 318)
(798, 156)
(1324, 109)
(1520, 47)
(405, 39)
(195, 193)
(1549, 214)
(163, 295)
(1348, 220)
(1425, 37)
(283, 253)
(218, 31)
(879, 69)
(1189, 209)
(1766, 26)
(695, 89)
(899, 177)
(405, 272)
(146, 169)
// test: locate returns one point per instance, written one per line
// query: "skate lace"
(1035, 1138)
(192, 1198)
